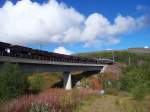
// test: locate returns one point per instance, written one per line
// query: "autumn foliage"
(52, 100)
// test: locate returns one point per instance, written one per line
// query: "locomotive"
(25, 52)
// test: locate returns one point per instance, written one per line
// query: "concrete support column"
(67, 80)
(103, 69)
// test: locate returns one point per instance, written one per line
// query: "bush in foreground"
(39, 108)
(139, 91)
(135, 77)
(54, 100)
(12, 82)
(37, 83)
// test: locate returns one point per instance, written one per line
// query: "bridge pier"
(103, 69)
(67, 80)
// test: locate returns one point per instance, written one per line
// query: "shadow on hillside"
(76, 78)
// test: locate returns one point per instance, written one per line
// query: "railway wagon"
(25, 52)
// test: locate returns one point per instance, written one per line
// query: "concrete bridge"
(34, 65)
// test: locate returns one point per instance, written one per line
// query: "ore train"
(25, 52)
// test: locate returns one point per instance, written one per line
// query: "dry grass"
(110, 103)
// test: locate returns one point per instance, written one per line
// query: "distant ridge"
(119, 55)
(139, 50)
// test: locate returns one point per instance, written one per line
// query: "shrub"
(12, 82)
(135, 77)
(139, 91)
(37, 83)
(55, 100)
(39, 108)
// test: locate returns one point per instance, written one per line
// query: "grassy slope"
(120, 56)
(111, 103)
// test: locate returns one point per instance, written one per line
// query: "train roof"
(3, 44)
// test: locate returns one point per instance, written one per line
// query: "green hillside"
(119, 56)
(131, 91)
(135, 76)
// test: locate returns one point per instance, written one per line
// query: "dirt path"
(104, 104)
(110, 103)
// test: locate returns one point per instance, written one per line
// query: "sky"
(73, 26)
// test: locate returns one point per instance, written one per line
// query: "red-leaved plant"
(52, 100)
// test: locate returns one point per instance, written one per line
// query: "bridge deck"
(46, 62)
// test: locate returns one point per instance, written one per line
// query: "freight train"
(29, 53)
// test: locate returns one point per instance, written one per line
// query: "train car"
(25, 52)
(4, 48)
(20, 51)
(105, 61)
(39, 54)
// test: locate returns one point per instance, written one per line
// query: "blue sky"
(133, 35)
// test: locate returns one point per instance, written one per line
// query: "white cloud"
(109, 49)
(99, 28)
(146, 47)
(53, 22)
(62, 50)
(32, 22)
